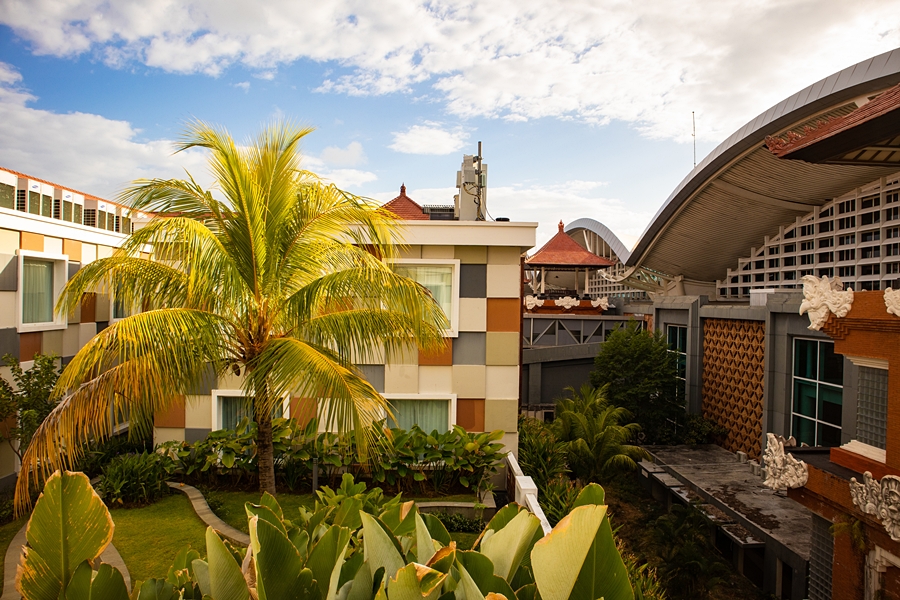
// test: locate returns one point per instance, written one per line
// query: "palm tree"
(272, 275)
(596, 434)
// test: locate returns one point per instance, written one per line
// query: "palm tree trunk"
(265, 454)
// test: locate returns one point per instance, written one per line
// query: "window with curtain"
(430, 415)
(37, 291)
(234, 408)
(437, 278)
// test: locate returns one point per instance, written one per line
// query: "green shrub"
(133, 479)
(98, 455)
(541, 456)
(557, 498)
(700, 430)
(459, 523)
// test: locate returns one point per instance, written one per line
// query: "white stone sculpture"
(880, 499)
(531, 302)
(783, 471)
(892, 301)
(821, 296)
(567, 302)
(603, 303)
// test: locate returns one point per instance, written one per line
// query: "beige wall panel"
(501, 414)
(88, 253)
(510, 443)
(435, 379)
(53, 245)
(167, 434)
(503, 255)
(468, 381)
(198, 412)
(438, 252)
(408, 356)
(8, 310)
(502, 382)
(8, 460)
(230, 381)
(471, 255)
(377, 358)
(502, 348)
(6, 373)
(71, 340)
(503, 281)
(473, 314)
(52, 342)
(410, 252)
(9, 241)
(104, 251)
(86, 331)
(102, 307)
(401, 379)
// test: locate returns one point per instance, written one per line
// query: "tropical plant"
(688, 565)
(541, 456)
(133, 479)
(399, 554)
(271, 275)
(24, 407)
(596, 436)
(639, 374)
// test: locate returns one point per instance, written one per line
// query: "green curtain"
(430, 415)
(37, 291)
(437, 278)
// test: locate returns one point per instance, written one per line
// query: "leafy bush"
(541, 456)
(459, 523)
(133, 479)
(700, 430)
(557, 498)
(25, 405)
(98, 455)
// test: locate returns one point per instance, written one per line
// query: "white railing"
(522, 489)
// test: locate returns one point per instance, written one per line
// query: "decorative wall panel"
(733, 369)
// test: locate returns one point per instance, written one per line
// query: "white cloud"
(348, 178)
(341, 177)
(244, 85)
(430, 138)
(649, 64)
(350, 156)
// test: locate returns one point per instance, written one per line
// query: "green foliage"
(459, 523)
(99, 453)
(25, 403)
(395, 555)
(541, 456)
(640, 375)
(689, 566)
(133, 480)
(697, 429)
(557, 498)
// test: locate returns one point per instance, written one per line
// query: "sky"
(584, 107)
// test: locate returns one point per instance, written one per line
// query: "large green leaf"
(201, 574)
(226, 582)
(579, 559)
(269, 501)
(416, 582)
(107, 584)
(507, 547)
(326, 559)
(480, 571)
(424, 544)
(157, 589)
(591, 494)
(279, 569)
(437, 529)
(381, 548)
(266, 514)
(69, 525)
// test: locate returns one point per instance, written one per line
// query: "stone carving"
(880, 499)
(531, 302)
(783, 471)
(603, 303)
(567, 302)
(892, 301)
(821, 296)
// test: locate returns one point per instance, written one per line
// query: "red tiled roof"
(563, 251)
(404, 207)
(883, 104)
(62, 187)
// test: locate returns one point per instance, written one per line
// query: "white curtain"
(437, 278)
(37, 291)
(430, 415)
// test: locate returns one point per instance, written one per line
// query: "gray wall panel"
(473, 281)
(469, 348)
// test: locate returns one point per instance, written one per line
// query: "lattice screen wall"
(733, 369)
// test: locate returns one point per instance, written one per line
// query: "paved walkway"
(110, 556)
(208, 516)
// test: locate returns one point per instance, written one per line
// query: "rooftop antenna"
(479, 196)
(694, 135)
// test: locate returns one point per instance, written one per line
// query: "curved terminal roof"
(741, 192)
(603, 232)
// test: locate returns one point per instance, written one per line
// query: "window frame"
(817, 419)
(453, 331)
(60, 277)
(451, 405)
(216, 396)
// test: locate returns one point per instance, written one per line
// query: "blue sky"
(583, 112)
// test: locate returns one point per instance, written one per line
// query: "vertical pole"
(315, 474)
(694, 135)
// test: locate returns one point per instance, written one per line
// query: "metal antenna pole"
(694, 135)
(478, 194)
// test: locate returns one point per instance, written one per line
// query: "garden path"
(208, 516)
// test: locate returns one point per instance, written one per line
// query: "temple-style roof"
(563, 251)
(868, 135)
(404, 207)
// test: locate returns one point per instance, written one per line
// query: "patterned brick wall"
(733, 369)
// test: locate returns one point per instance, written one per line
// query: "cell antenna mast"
(694, 135)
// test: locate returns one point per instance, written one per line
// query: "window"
(790, 261)
(847, 240)
(790, 247)
(870, 236)
(870, 202)
(871, 411)
(846, 223)
(826, 257)
(230, 406)
(429, 413)
(826, 226)
(818, 379)
(773, 263)
(677, 336)
(41, 279)
(810, 245)
(870, 269)
(441, 278)
(847, 254)
(870, 252)
(870, 218)
(826, 243)
(806, 230)
(847, 271)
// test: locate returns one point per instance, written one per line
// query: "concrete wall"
(546, 372)
(685, 310)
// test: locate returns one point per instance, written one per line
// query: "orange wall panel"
(504, 314)
(174, 417)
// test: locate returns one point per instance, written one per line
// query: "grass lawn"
(7, 533)
(148, 538)
(229, 506)
(463, 541)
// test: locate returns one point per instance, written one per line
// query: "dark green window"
(7, 196)
(677, 337)
(67, 211)
(47, 205)
(78, 211)
(818, 379)
(34, 203)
